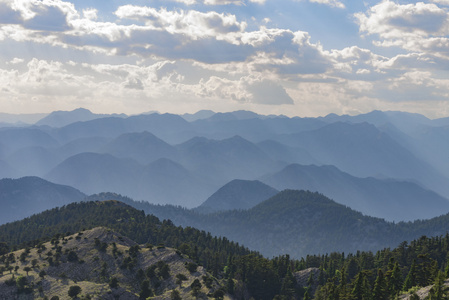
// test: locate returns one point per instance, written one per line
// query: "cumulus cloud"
(248, 89)
(414, 27)
(195, 24)
(48, 15)
(16, 60)
(358, 61)
(172, 57)
(90, 14)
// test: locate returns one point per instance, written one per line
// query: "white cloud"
(414, 27)
(16, 60)
(355, 60)
(186, 2)
(333, 3)
(90, 14)
(248, 89)
(195, 24)
(192, 59)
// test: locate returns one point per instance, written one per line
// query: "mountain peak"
(237, 194)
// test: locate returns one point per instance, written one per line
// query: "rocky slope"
(104, 265)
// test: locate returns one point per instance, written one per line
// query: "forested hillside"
(297, 223)
(239, 273)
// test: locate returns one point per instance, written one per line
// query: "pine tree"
(410, 280)
(379, 290)
(395, 280)
(321, 277)
(446, 270)
(306, 295)
(357, 291)
(310, 279)
(361, 289)
(436, 292)
(288, 284)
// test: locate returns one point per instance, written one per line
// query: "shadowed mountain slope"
(393, 200)
(237, 194)
(23, 197)
(363, 150)
(144, 147)
(297, 223)
(224, 160)
(162, 181)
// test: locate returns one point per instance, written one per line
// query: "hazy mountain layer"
(162, 181)
(363, 150)
(393, 200)
(215, 148)
(143, 147)
(23, 197)
(237, 194)
(63, 118)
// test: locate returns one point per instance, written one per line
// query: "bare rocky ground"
(424, 292)
(90, 259)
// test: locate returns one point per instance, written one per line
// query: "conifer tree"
(357, 290)
(446, 270)
(380, 288)
(410, 280)
(310, 279)
(395, 280)
(321, 277)
(306, 295)
(288, 284)
(361, 289)
(436, 292)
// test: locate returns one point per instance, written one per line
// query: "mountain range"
(385, 164)
(298, 190)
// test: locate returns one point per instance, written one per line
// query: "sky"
(302, 58)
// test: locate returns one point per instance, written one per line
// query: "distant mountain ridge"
(161, 181)
(237, 194)
(195, 158)
(62, 118)
(393, 200)
(23, 197)
(363, 150)
(144, 147)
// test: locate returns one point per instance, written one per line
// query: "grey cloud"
(134, 83)
(216, 22)
(420, 61)
(49, 18)
(268, 92)
(8, 15)
(429, 22)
